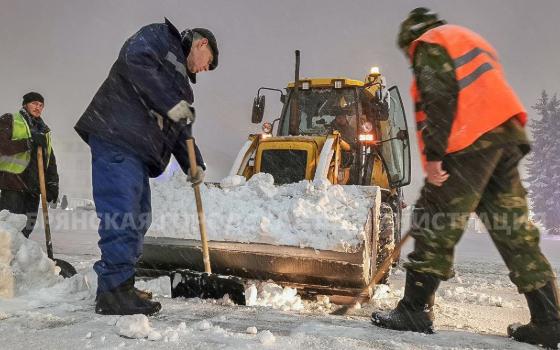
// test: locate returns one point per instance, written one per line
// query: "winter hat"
(186, 41)
(213, 45)
(187, 37)
(418, 21)
(32, 97)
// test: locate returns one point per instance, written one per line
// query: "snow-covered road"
(472, 312)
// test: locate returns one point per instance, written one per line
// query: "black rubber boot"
(415, 310)
(124, 300)
(544, 328)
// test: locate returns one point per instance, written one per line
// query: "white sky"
(64, 50)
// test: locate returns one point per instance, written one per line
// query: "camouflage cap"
(419, 21)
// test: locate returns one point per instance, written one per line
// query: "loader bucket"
(310, 270)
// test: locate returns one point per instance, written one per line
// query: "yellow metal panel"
(307, 144)
(379, 175)
(329, 82)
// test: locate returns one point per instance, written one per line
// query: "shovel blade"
(66, 269)
(194, 284)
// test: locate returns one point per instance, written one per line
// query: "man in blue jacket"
(140, 115)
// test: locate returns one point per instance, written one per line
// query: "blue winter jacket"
(131, 107)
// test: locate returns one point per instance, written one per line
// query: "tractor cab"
(368, 119)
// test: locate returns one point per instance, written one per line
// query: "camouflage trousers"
(487, 183)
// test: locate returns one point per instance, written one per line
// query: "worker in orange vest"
(471, 135)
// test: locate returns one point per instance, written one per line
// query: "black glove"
(39, 139)
(52, 193)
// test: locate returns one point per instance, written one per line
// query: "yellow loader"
(349, 132)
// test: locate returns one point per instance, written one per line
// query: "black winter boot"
(415, 310)
(124, 300)
(544, 328)
(142, 294)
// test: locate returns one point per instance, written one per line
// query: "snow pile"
(138, 326)
(24, 267)
(272, 295)
(305, 214)
(232, 181)
(463, 295)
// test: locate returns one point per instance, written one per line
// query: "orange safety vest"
(485, 98)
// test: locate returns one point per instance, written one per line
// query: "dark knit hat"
(32, 97)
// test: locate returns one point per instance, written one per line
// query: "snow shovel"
(376, 278)
(66, 270)
(192, 284)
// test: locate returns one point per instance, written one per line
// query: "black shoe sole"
(426, 330)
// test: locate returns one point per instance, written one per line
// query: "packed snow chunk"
(134, 326)
(463, 295)
(251, 330)
(154, 336)
(266, 338)
(272, 295)
(304, 214)
(232, 181)
(171, 336)
(24, 267)
(382, 291)
(251, 295)
(158, 286)
(204, 325)
(7, 281)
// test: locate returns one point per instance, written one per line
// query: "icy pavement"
(195, 325)
(472, 312)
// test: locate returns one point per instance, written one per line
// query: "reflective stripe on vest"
(485, 98)
(17, 163)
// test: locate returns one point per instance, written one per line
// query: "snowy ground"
(472, 312)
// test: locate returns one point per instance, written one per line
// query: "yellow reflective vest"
(17, 163)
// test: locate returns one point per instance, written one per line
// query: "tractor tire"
(386, 239)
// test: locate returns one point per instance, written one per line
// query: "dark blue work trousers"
(121, 191)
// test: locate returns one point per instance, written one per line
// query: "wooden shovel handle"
(199, 208)
(43, 188)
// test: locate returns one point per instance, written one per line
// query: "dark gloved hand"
(39, 139)
(198, 178)
(52, 193)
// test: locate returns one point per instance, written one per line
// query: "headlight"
(267, 128)
(367, 127)
(366, 138)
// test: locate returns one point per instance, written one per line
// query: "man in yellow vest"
(471, 135)
(21, 133)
